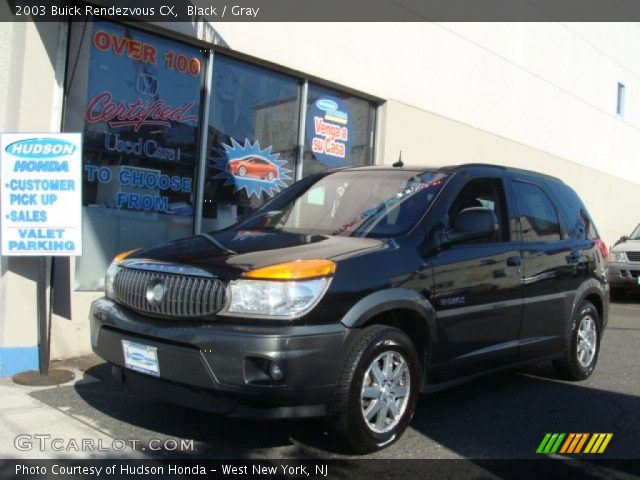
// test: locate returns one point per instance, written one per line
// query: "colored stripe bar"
(558, 442)
(582, 442)
(550, 443)
(605, 443)
(575, 442)
(599, 440)
(543, 443)
(567, 443)
(590, 444)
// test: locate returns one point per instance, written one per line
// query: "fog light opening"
(275, 372)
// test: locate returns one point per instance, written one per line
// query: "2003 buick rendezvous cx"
(354, 290)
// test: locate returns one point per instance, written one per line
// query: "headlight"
(109, 278)
(112, 271)
(284, 290)
(275, 299)
(618, 257)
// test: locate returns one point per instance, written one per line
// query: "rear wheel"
(377, 392)
(242, 171)
(583, 346)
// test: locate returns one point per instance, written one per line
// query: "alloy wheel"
(587, 341)
(385, 391)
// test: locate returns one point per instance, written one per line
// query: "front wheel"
(583, 345)
(377, 392)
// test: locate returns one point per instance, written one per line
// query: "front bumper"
(624, 274)
(219, 367)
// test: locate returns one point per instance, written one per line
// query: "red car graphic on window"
(253, 167)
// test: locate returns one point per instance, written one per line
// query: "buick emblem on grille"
(155, 292)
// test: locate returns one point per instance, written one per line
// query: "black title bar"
(324, 11)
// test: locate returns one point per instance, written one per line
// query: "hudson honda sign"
(40, 202)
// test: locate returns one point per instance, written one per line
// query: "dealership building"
(188, 126)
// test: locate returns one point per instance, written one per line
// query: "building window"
(253, 135)
(252, 139)
(620, 100)
(136, 98)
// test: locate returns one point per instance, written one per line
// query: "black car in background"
(356, 289)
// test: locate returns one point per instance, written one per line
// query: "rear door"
(550, 269)
(477, 288)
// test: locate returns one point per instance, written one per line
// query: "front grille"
(633, 256)
(184, 296)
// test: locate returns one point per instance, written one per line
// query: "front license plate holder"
(141, 358)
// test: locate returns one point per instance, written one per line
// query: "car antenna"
(399, 163)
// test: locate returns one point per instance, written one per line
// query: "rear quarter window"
(579, 222)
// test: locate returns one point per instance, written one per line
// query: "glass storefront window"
(252, 139)
(339, 130)
(136, 98)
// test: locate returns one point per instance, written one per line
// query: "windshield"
(362, 203)
(635, 235)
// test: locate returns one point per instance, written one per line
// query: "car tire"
(583, 344)
(242, 171)
(381, 366)
(270, 176)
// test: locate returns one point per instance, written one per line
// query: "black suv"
(354, 290)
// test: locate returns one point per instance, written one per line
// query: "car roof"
(452, 169)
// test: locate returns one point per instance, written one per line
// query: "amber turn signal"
(300, 269)
(121, 256)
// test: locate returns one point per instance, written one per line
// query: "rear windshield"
(362, 203)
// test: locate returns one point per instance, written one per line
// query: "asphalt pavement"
(502, 416)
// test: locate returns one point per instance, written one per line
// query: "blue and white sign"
(40, 203)
(329, 131)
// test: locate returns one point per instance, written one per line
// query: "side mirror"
(470, 224)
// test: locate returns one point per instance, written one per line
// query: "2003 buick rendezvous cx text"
(354, 290)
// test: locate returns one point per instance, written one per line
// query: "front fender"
(393, 299)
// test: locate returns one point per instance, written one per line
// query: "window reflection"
(252, 139)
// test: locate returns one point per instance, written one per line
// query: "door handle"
(514, 261)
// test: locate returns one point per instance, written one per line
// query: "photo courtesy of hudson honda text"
(171, 469)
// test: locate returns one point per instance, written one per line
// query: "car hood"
(628, 246)
(238, 251)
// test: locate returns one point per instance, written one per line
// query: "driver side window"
(483, 193)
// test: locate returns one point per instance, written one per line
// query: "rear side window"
(538, 217)
(578, 220)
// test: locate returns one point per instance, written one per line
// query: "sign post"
(41, 209)
(43, 320)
